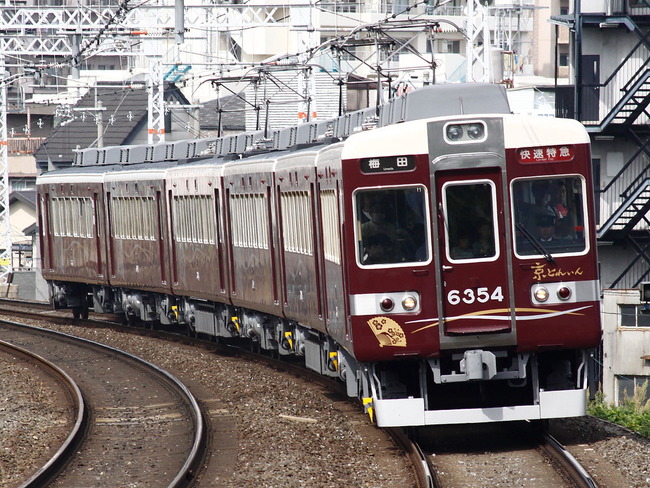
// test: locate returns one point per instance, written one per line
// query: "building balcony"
(24, 145)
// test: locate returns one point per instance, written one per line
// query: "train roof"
(91, 174)
(426, 102)
(258, 163)
(519, 131)
(210, 167)
(141, 171)
(531, 130)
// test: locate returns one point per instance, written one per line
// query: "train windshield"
(391, 226)
(470, 220)
(549, 216)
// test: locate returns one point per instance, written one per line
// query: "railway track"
(501, 455)
(429, 471)
(573, 471)
(221, 422)
(68, 398)
(144, 427)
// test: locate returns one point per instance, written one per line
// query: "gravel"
(289, 433)
(31, 421)
(613, 455)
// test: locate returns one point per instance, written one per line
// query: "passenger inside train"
(391, 226)
(548, 212)
(470, 222)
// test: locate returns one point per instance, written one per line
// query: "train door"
(475, 295)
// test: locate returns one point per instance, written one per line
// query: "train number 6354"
(469, 295)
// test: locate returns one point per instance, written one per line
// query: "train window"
(72, 217)
(135, 218)
(55, 216)
(66, 217)
(470, 221)
(549, 215)
(391, 226)
(297, 222)
(249, 220)
(331, 226)
(194, 219)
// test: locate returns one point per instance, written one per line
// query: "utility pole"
(477, 53)
(156, 91)
(99, 119)
(5, 227)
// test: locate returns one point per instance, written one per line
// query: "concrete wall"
(624, 348)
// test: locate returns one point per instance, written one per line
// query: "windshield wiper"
(535, 242)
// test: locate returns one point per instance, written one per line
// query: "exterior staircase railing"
(630, 213)
(629, 81)
(624, 98)
(632, 104)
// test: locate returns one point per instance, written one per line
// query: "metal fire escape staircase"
(630, 187)
(633, 103)
(632, 212)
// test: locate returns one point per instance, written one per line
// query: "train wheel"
(76, 313)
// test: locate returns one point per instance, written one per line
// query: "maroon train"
(442, 264)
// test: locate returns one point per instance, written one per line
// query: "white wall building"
(626, 344)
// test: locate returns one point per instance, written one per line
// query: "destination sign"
(550, 154)
(387, 164)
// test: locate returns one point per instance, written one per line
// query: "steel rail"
(424, 472)
(568, 464)
(73, 392)
(187, 472)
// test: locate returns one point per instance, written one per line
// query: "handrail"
(640, 81)
(622, 208)
(621, 171)
(629, 55)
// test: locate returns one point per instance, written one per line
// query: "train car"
(137, 234)
(463, 305)
(199, 254)
(440, 259)
(73, 246)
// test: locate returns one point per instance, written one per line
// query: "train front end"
(472, 269)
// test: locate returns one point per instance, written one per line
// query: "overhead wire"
(301, 57)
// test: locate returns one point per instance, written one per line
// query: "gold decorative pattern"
(542, 271)
(387, 331)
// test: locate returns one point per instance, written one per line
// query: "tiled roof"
(232, 114)
(25, 196)
(124, 116)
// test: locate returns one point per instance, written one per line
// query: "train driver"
(545, 227)
(389, 225)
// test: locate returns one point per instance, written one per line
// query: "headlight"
(541, 294)
(475, 131)
(409, 303)
(454, 132)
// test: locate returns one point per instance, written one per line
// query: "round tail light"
(564, 293)
(387, 304)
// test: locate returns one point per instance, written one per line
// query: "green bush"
(633, 413)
